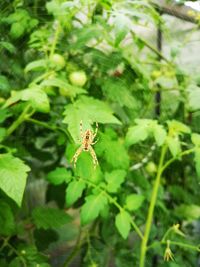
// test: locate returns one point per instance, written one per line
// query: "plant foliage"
(63, 62)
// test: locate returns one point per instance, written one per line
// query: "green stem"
(42, 77)
(153, 49)
(19, 120)
(180, 244)
(166, 234)
(184, 153)
(53, 47)
(112, 200)
(52, 128)
(151, 208)
(23, 261)
(74, 251)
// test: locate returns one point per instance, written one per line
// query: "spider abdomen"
(86, 146)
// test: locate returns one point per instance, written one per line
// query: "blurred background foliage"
(133, 68)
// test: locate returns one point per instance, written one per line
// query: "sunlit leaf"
(13, 174)
(134, 201)
(92, 207)
(174, 145)
(74, 191)
(114, 180)
(59, 176)
(36, 65)
(89, 110)
(122, 222)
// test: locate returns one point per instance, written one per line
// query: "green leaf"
(36, 65)
(136, 134)
(89, 110)
(194, 97)
(3, 115)
(85, 34)
(46, 218)
(17, 30)
(174, 145)
(114, 180)
(92, 207)
(31, 256)
(15, 97)
(66, 88)
(84, 166)
(178, 127)
(190, 212)
(74, 191)
(195, 139)
(159, 134)
(13, 174)
(2, 133)
(7, 223)
(108, 148)
(4, 84)
(144, 129)
(197, 160)
(37, 97)
(121, 24)
(134, 201)
(59, 176)
(8, 46)
(123, 223)
(118, 91)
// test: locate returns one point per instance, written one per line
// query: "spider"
(87, 139)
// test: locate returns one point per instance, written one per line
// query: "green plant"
(83, 61)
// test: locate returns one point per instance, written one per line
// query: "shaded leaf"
(197, 160)
(108, 148)
(7, 223)
(2, 133)
(190, 212)
(118, 91)
(46, 218)
(8, 46)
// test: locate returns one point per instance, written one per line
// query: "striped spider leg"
(87, 140)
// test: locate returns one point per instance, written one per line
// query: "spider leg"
(93, 143)
(81, 129)
(96, 130)
(76, 155)
(94, 157)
